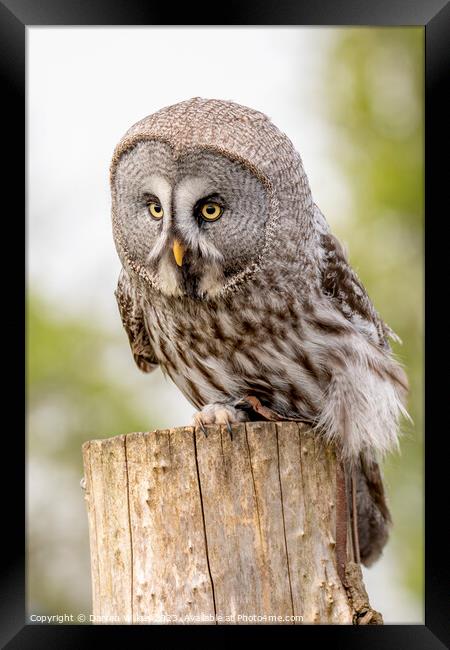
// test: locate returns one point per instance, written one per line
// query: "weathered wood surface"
(192, 529)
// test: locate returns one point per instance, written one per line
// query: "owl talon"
(219, 414)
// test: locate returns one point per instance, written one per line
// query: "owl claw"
(219, 414)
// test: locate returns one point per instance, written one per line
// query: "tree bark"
(186, 528)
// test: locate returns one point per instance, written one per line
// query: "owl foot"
(218, 414)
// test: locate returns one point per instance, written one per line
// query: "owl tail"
(373, 516)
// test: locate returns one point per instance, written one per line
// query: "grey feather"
(134, 324)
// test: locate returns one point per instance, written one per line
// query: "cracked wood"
(192, 529)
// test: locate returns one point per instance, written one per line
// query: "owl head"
(206, 194)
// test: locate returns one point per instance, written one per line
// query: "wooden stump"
(192, 529)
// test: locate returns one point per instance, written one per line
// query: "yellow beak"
(178, 252)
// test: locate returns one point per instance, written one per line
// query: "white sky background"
(86, 86)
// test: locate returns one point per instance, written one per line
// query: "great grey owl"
(233, 284)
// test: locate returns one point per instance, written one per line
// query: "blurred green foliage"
(375, 100)
(68, 373)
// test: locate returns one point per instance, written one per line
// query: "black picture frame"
(434, 15)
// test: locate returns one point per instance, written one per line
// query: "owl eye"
(211, 211)
(155, 210)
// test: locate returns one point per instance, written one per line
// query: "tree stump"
(186, 528)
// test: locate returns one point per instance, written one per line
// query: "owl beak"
(178, 252)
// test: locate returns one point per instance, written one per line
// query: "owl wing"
(343, 287)
(133, 321)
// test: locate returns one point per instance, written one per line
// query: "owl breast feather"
(300, 360)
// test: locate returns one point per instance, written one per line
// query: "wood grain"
(189, 529)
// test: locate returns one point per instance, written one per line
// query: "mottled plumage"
(265, 302)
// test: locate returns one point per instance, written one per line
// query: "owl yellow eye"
(211, 211)
(156, 210)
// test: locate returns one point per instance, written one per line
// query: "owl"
(233, 284)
